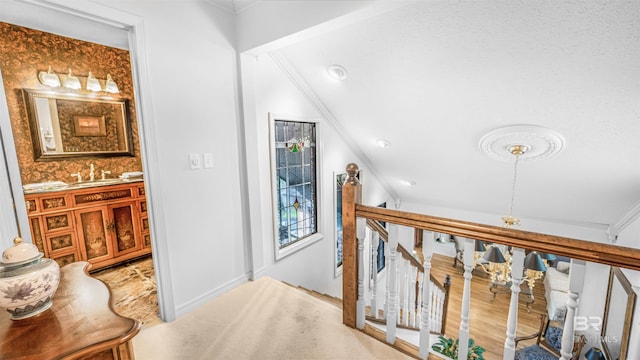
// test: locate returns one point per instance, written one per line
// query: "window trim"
(307, 241)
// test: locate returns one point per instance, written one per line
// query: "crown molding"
(326, 114)
(628, 218)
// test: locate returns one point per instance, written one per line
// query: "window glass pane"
(280, 132)
(295, 180)
(294, 158)
(295, 175)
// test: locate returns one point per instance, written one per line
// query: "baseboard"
(210, 295)
(255, 275)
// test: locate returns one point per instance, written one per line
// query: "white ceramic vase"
(27, 280)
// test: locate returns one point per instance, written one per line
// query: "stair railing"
(580, 251)
(409, 288)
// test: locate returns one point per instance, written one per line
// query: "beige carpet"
(264, 319)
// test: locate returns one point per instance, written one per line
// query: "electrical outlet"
(208, 160)
(194, 161)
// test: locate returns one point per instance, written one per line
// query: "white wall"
(312, 266)
(191, 64)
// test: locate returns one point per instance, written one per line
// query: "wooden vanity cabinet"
(102, 225)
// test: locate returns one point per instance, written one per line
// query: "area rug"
(133, 289)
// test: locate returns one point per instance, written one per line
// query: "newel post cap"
(352, 171)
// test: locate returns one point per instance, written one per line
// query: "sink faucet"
(78, 175)
(103, 173)
(92, 173)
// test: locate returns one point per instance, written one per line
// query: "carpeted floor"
(262, 319)
(134, 291)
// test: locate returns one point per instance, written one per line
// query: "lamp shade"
(594, 354)
(480, 246)
(533, 261)
(548, 257)
(494, 255)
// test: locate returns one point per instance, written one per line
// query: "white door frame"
(10, 182)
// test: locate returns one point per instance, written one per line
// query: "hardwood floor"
(488, 317)
(133, 289)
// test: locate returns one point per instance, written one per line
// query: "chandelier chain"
(513, 187)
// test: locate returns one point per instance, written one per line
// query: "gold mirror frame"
(613, 316)
(65, 126)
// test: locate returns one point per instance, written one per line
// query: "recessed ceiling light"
(337, 72)
(383, 143)
(408, 183)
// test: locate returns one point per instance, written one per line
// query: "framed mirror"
(74, 125)
(618, 313)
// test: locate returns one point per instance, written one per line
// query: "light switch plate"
(208, 160)
(194, 161)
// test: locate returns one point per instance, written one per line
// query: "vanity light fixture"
(49, 78)
(111, 86)
(72, 82)
(337, 72)
(383, 143)
(92, 83)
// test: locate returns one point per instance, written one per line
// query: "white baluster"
(425, 323)
(576, 283)
(360, 305)
(517, 268)
(463, 346)
(420, 301)
(439, 302)
(412, 296)
(392, 303)
(375, 240)
(406, 270)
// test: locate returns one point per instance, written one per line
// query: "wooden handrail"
(560, 246)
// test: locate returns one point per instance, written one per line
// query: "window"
(295, 185)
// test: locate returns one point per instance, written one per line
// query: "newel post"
(351, 195)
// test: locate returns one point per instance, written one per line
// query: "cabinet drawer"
(58, 222)
(66, 259)
(142, 207)
(102, 196)
(147, 241)
(36, 234)
(59, 243)
(31, 203)
(54, 202)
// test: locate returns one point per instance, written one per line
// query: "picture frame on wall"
(84, 125)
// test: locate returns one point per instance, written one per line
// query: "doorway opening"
(98, 215)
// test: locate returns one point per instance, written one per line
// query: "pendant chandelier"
(517, 151)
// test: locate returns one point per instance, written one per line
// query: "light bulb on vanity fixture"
(49, 78)
(72, 82)
(92, 83)
(111, 86)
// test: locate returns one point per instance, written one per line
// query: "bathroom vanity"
(103, 223)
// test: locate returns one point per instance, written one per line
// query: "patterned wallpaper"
(25, 52)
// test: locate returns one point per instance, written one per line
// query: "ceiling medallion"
(518, 143)
(540, 142)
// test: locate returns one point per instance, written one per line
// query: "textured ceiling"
(434, 77)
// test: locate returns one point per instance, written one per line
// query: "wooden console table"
(79, 325)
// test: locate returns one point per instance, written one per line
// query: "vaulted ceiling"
(433, 77)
